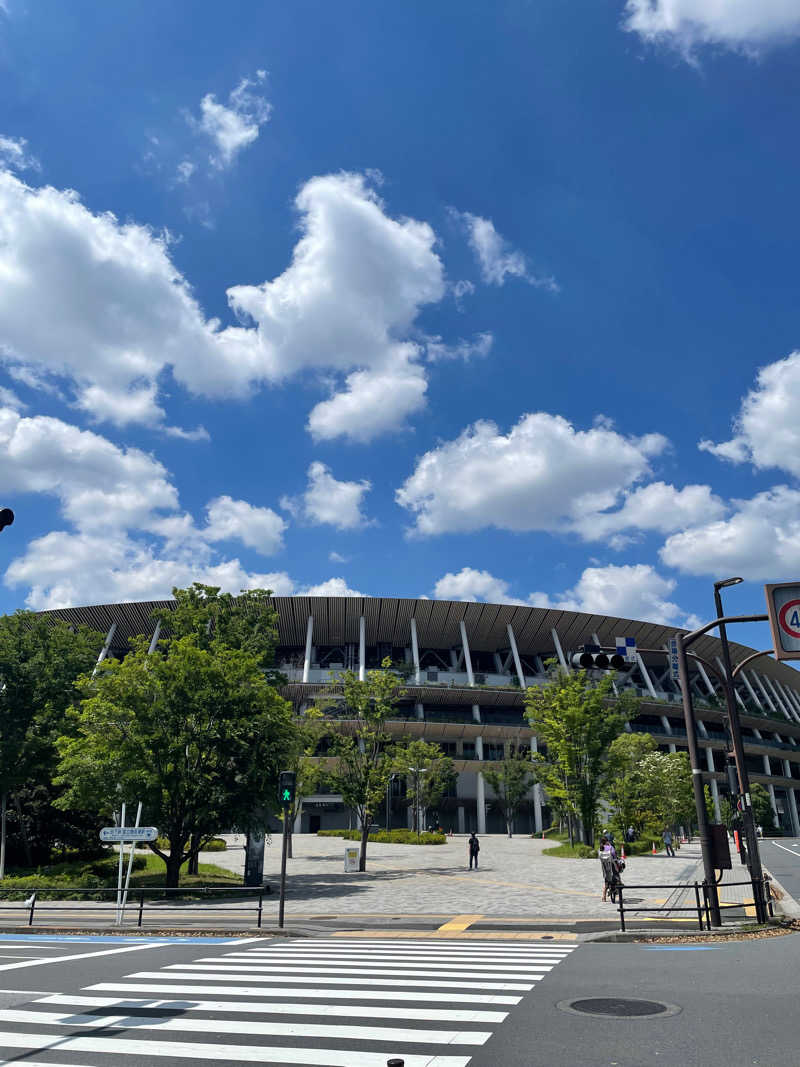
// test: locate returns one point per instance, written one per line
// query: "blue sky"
(400, 299)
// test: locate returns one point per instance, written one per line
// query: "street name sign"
(128, 833)
(783, 608)
(672, 646)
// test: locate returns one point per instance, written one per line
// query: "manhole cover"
(619, 1007)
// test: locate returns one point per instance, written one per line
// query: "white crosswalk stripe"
(312, 1002)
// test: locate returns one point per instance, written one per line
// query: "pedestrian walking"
(611, 868)
(473, 847)
(630, 834)
(667, 838)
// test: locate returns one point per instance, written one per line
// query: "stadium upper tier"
(465, 666)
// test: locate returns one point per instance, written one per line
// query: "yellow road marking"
(473, 935)
(460, 922)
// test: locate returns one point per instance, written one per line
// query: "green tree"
(627, 788)
(40, 661)
(247, 622)
(364, 757)
(762, 807)
(576, 720)
(668, 787)
(198, 734)
(511, 782)
(430, 785)
(310, 729)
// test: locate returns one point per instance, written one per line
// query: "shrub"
(575, 852)
(216, 844)
(388, 837)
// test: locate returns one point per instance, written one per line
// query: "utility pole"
(735, 730)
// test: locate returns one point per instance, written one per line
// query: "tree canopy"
(511, 781)
(429, 773)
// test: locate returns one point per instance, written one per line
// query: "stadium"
(466, 665)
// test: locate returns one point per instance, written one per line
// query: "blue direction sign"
(128, 833)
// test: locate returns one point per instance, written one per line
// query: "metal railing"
(139, 900)
(762, 892)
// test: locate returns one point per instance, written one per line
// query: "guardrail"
(762, 892)
(138, 901)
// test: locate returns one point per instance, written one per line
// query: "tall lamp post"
(417, 772)
(735, 730)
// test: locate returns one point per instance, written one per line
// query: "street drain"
(619, 1007)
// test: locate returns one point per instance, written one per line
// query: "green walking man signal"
(287, 785)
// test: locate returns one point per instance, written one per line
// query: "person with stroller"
(612, 868)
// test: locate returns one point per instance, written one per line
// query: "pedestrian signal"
(287, 788)
(593, 658)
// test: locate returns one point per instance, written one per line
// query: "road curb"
(786, 904)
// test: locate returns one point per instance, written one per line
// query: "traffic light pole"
(735, 730)
(283, 865)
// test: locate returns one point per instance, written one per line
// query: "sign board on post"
(626, 647)
(128, 833)
(672, 645)
(783, 608)
(351, 860)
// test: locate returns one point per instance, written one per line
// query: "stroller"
(612, 868)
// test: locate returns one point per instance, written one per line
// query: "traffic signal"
(287, 788)
(592, 658)
(6, 517)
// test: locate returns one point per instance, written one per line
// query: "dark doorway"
(314, 822)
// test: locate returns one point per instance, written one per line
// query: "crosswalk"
(321, 1002)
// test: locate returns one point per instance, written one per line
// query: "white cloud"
(633, 591)
(472, 584)
(14, 154)
(184, 171)
(9, 399)
(346, 304)
(234, 126)
(656, 506)
(328, 501)
(199, 433)
(480, 346)
(741, 25)
(337, 557)
(332, 587)
(760, 541)
(496, 258)
(767, 429)
(543, 475)
(258, 528)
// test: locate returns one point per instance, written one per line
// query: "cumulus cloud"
(480, 346)
(235, 520)
(329, 501)
(543, 475)
(759, 541)
(741, 25)
(496, 258)
(633, 591)
(657, 506)
(767, 428)
(14, 154)
(332, 587)
(472, 584)
(128, 538)
(232, 126)
(346, 304)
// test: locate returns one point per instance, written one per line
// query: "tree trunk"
(194, 860)
(174, 867)
(510, 825)
(3, 835)
(570, 831)
(23, 829)
(362, 859)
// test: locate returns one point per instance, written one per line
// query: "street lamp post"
(388, 807)
(735, 730)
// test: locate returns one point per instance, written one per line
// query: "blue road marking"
(106, 939)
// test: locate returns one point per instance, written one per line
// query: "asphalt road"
(782, 858)
(356, 1002)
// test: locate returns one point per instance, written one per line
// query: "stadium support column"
(467, 657)
(776, 819)
(559, 650)
(481, 800)
(537, 794)
(645, 674)
(415, 651)
(309, 646)
(787, 773)
(154, 639)
(713, 784)
(362, 650)
(515, 653)
(106, 646)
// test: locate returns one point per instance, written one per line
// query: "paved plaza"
(514, 878)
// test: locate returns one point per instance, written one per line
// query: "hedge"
(388, 837)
